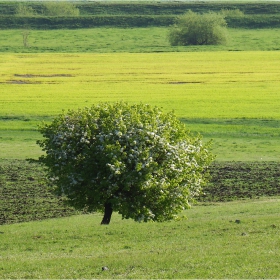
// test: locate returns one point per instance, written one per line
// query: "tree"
(25, 35)
(24, 10)
(199, 29)
(133, 159)
(61, 9)
(232, 13)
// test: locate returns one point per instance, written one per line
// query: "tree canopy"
(133, 159)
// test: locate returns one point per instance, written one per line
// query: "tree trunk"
(107, 214)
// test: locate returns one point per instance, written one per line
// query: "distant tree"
(133, 159)
(61, 9)
(232, 13)
(199, 29)
(23, 10)
(25, 35)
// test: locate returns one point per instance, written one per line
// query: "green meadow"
(233, 240)
(229, 94)
(135, 40)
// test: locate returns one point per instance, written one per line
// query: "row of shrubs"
(11, 22)
(156, 8)
(176, 8)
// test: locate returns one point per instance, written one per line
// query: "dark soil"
(24, 196)
(242, 180)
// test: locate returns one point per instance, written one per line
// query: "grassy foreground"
(222, 240)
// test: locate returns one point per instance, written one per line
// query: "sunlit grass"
(108, 40)
(222, 240)
(19, 144)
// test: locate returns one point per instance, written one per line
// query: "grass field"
(232, 97)
(108, 40)
(236, 240)
(227, 93)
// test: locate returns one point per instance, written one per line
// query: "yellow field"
(195, 85)
(213, 85)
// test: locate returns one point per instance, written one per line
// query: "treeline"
(85, 22)
(50, 22)
(40, 15)
(176, 8)
(158, 8)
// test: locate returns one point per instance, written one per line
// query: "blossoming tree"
(133, 159)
